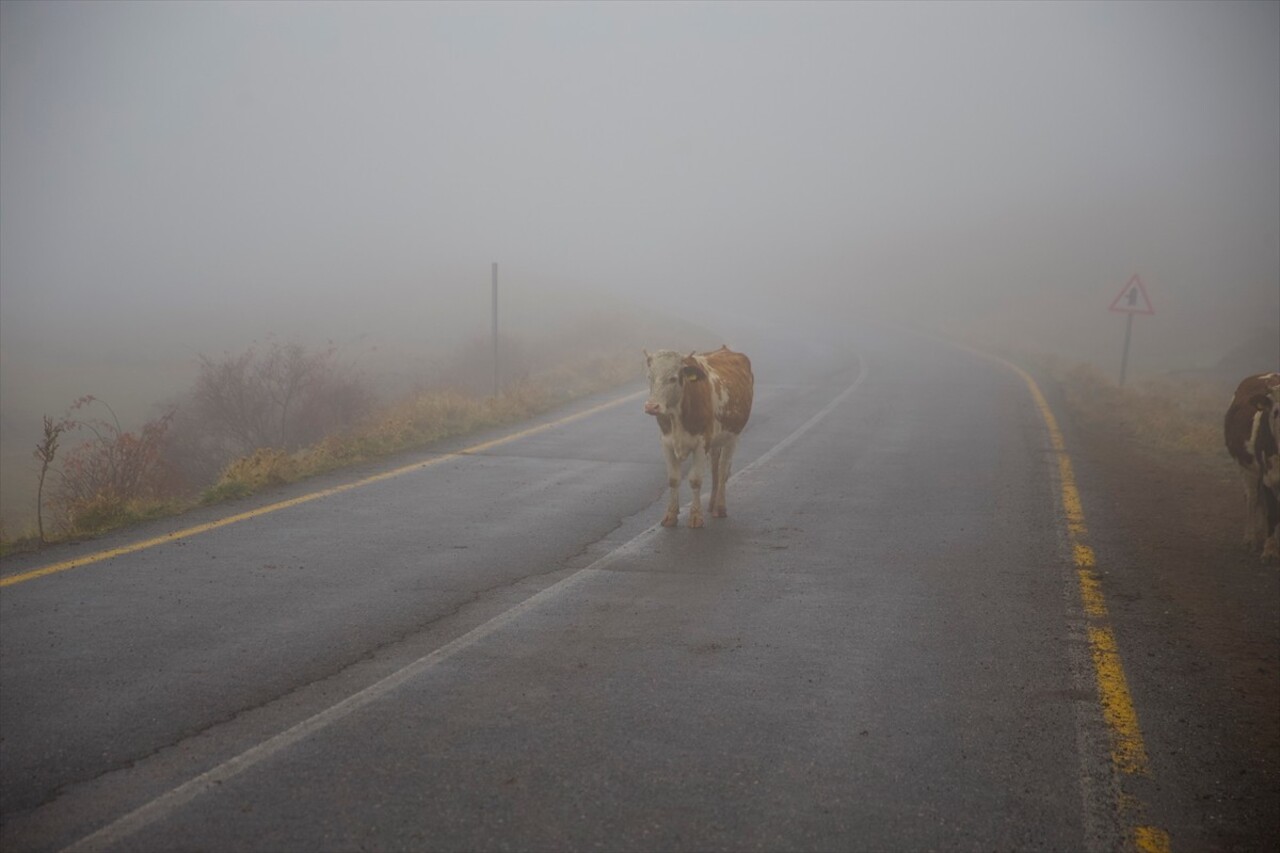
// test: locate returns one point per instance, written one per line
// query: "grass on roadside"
(1169, 416)
(413, 422)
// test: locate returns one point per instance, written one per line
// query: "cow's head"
(668, 372)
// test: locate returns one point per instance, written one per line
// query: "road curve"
(882, 646)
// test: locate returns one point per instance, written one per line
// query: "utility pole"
(495, 328)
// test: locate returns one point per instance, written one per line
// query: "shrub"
(283, 397)
(45, 453)
(105, 479)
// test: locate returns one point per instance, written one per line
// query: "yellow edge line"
(1151, 839)
(1128, 751)
(99, 556)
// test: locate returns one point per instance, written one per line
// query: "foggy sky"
(193, 175)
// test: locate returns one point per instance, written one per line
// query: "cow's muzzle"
(652, 408)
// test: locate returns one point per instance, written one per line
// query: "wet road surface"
(881, 648)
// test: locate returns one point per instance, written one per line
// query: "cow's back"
(733, 387)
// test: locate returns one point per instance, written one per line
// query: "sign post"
(1131, 300)
(495, 328)
(1124, 359)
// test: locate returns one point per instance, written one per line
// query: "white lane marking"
(113, 833)
(809, 424)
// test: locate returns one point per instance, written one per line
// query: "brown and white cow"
(701, 403)
(1252, 433)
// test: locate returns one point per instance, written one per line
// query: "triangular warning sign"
(1133, 299)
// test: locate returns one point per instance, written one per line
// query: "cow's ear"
(689, 373)
(648, 359)
(1261, 402)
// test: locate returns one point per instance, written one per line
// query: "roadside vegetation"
(279, 414)
(1179, 417)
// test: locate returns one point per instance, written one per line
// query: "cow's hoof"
(669, 520)
(1271, 554)
(696, 521)
(719, 512)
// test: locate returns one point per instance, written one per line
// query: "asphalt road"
(880, 648)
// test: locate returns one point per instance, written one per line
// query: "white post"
(495, 328)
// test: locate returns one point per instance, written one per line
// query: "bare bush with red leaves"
(104, 479)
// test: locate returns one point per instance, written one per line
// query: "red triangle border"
(1146, 300)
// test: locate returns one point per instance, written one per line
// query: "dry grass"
(421, 419)
(1181, 417)
(413, 422)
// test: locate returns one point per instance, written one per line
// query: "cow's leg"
(1271, 548)
(673, 482)
(1270, 500)
(722, 461)
(1255, 514)
(725, 465)
(696, 470)
(717, 484)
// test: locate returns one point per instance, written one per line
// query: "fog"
(187, 178)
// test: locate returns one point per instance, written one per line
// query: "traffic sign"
(1133, 298)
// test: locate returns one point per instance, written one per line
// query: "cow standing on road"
(701, 402)
(1252, 432)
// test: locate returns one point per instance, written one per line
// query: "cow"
(1251, 430)
(701, 403)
